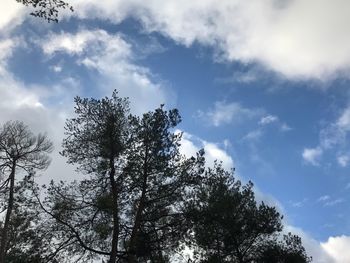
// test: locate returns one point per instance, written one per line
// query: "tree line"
(141, 200)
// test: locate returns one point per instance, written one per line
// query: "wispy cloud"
(334, 202)
(268, 119)
(332, 136)
(323, 198)
(326, 200)
(227, 113)
(112, 60)
(299, 204)
(253, 135)
(285, 127)
(343, 160)
(312, 155)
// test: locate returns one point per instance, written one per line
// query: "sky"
(262, 85)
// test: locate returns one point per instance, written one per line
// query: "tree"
(46, 9)
(20, 150)
(287, 250)
(228, 225)
(128, 209)
(28, 240)
(160, 178)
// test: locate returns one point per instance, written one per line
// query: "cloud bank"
(295, 38)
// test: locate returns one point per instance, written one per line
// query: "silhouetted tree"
(230, 226)
(129, 207)
(160, 180)
(46, 9)
(28, 240)
(20, 150)
(287, 250)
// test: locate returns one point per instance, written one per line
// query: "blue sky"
(263, 86)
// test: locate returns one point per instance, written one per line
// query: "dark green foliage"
(140, 199)
(46, 9)
(129, 207)
(100, 131)
(20, 151)
(160, 177)
(228, 225)
(287, 250)
(28, 240)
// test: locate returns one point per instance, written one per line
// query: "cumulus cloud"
(227, 113)
(299, 39)
(22, 103)
(338, 248)
(27, 103)
(312, 246)
(312, 155)
(11, 14)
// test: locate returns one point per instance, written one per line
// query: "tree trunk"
(137, 222)
(8, 215)
(115, 237)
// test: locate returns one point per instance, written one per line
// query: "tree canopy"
(129, 207)
(141, 200)
(20, 150)
(229, 225)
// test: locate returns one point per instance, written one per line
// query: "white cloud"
(27, 104)
(335, 133)
(338, 248)
(334, 202)
(323, 198)
(253, 135)
(344, 120)
(214, 152)
(299, 204)
(321, 252)
(84, 41)
(285, 127)
(332, 136)
(6, 49)
(312, 155)
(191, 144)
(56, 68)
(299, 39)
(11, 14)
(343, 160)
(312, 247)
(328, 201)
(227, 113)
(271, 119)
(112, 57)
(268, 119)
